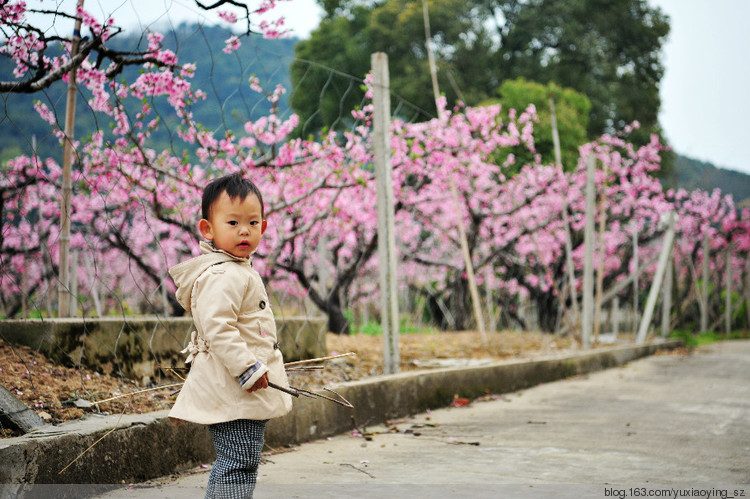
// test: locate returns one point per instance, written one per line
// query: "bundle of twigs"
(300, 365)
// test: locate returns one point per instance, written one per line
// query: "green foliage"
(320, 97)
(372, 328)
(571, 109)
(608, 51)
(740, 315)
(738, 306)
(35, 314)
(693, 339)
(353, 31)
(8, 153)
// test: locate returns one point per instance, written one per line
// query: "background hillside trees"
(571, 110)
(606, 50)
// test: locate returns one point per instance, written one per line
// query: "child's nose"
(244, 229)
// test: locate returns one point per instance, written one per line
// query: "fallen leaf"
(459, 401)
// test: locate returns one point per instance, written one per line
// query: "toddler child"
(234, 350)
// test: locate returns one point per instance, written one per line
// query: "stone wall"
(135, 346)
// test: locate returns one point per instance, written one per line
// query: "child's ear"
(263, 227)
(206, 230)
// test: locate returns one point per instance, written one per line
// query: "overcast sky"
(705, 90)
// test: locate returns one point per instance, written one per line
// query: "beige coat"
(235, 330)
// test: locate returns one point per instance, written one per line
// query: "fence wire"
(123, 245)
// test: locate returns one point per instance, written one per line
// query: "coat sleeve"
(217, 308)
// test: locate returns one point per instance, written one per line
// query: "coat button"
(262, 304)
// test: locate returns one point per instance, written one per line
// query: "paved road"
(664, 426)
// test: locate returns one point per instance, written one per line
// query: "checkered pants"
(238, 448)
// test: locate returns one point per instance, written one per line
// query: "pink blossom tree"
(135, 206)
(128, 196)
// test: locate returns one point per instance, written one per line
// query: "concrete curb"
(134, 448)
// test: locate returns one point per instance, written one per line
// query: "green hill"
(692, 174)
(223, 77)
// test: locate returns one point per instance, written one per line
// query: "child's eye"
(254, 222)
(232, 222)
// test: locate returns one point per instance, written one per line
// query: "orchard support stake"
(471, 278)
(600, 263)
(661, 268)
(63, 292)
(728, 292)
(569, 266)
(666, 302)
(635, 276)
(469, 266)
(705, 278)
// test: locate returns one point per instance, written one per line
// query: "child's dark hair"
(236, 186)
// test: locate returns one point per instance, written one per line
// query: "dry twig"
(136, 393)
(92, 445)
(320, 359)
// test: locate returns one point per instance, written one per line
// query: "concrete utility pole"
(600, 267)
(588, 258)
(381, 100)
(63, 291)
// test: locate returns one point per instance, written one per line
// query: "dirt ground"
(53, 390)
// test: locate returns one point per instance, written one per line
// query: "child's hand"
(260, 384)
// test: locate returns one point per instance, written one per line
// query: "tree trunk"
(460, 303)
(337, 321)
(547, 306)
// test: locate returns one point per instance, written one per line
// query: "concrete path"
(663, 426)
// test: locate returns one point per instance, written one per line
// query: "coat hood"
(186, 273)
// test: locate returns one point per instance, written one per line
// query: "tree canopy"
(606, 50)
(134, 203)
(571, 111)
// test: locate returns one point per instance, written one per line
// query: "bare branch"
(235, 3)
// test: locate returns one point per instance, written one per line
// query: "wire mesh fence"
(160, 115)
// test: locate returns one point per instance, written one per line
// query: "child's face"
(235, 225)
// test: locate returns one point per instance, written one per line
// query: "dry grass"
(50, 389)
